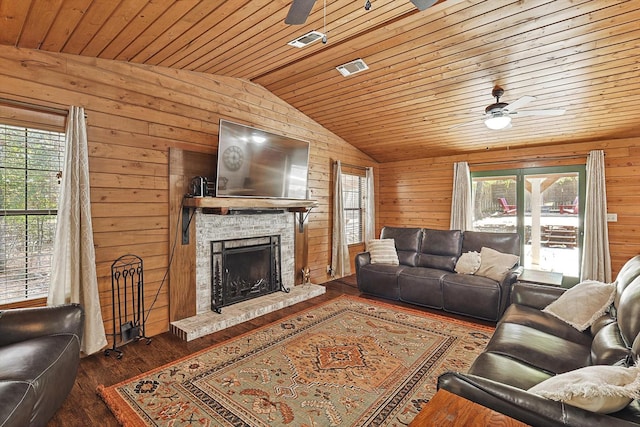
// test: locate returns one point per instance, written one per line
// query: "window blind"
(30, 171)
(353, 188)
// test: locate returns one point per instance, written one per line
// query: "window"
(543, 205)
(30, 170)
(353, 190)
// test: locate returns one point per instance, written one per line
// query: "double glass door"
(543, 205)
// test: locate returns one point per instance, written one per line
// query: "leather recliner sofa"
(426, 274)
(39, 357)
(530, 346)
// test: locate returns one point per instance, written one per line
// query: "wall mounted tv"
(256, 163)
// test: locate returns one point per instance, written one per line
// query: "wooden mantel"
(223, 205)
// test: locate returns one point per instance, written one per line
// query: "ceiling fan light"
(306, 39)
(497, 121)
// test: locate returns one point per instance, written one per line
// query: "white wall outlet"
(612, 217)
(328, 269)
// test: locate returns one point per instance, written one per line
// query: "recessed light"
(352, 67)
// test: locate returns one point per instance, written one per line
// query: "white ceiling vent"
(308, 38)
(352, 67)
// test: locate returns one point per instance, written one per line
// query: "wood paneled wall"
(418, 192)
(136, 113)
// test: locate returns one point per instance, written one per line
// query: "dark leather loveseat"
(39, 356)
(529, 346)
(426, 273)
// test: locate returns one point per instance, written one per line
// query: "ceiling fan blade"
(299, 11)
(526, 113)
(519, 103)
(423, 4)
(459, 125)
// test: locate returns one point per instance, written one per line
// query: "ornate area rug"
(347, 362)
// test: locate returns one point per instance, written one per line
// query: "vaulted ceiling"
(430, 73)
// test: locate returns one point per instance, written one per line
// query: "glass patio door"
(544, 205)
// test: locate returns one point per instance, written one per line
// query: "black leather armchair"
(39, 357)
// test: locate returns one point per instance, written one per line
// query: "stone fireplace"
(218, 235)
(243, 269)
(238, 229)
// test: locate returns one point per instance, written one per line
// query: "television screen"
(256, 163)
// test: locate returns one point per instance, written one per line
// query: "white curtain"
(596, 258)
(340, 264)
(461, 201)
(369, 208)
(73, 273)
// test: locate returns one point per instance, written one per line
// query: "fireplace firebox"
(243, 269)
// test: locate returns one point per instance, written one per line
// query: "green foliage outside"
(30, 162)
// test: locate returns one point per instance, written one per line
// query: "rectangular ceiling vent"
(352, 67)
(308, 38)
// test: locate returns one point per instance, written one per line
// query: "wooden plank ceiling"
(429, 71)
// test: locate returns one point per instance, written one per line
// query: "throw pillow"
(468, 263)
(494, 264)
(599, 388)
(383, 251)
(583, 304)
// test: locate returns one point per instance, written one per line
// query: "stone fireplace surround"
(237, 226)
(211, 227)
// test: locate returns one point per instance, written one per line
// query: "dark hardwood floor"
(84, 407)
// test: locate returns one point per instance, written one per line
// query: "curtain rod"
(364, 168)
(499, 162)
(58, 111)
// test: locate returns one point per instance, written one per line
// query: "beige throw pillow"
(383, 251)
(599, 388)
(468, 263)
(494, 264)
(582, 304)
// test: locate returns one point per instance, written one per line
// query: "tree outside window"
(353, 190)
(30, 164)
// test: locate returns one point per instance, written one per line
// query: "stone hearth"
(207, 323)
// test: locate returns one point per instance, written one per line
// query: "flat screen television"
(256, 163)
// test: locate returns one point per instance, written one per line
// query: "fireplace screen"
(243, 269)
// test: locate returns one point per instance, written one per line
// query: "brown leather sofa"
(426, 275)
(39, 357)
(530, 346)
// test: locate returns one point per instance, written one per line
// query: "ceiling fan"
(499, 114)
(300, 9)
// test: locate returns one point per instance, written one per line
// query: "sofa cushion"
(628, 313)
(608, 347)
(383, 251)
(534, 318)
(380, 280)
(601, 389)
(583, 304)
(627, 274)
(407, 242)
(421, 286)
(539, 349)
(508, 243)
(506, 370)
(472, 295)
(494, 264)
(468, 263)
(440, 249)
